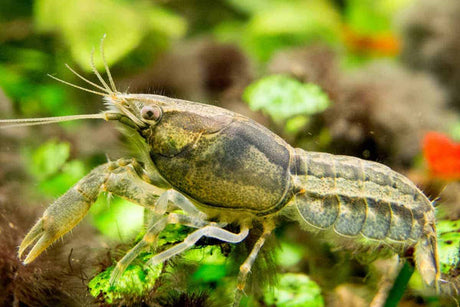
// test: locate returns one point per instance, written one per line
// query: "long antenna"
(105, 91)
(23, 122)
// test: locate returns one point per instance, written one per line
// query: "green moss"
(134, 282)
(449, 245)
(295, 290)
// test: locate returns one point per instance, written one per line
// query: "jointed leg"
(211, 231)
(177, 200)
(151, 237)
(167, 202)
(245, 268)
(123, 178)
(126, 178)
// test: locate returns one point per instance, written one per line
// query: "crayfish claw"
(31, 237)
(64, 214)
(45, 240)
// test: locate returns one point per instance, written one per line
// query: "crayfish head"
(132, 112)
(178, 124)
(168, 125)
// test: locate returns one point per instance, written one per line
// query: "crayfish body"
(216, 165)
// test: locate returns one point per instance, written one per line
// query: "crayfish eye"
(151, 113)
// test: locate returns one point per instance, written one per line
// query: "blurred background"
(375, 79)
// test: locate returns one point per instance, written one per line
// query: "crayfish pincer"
(220, 167)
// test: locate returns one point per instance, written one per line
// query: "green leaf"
(165, 22)
(289, 254)
(83, 23)
(283, 97)
(70, 173)
(135, 281)
(49, 166)
(305, 18)
(117, 218)
(373, 16)
(253, 6)
(280, 24)
(295, 290)
(296, 123)
(455, 131)
(209, 273)
(47, 159)
(449, 244)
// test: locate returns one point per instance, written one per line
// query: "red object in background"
(442, 155)
(385, 44)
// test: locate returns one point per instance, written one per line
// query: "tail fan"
(427, 261)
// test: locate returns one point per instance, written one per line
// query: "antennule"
(107, 91)
(86, 80)
(79, 87)
(107, 70)
(98, 75)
